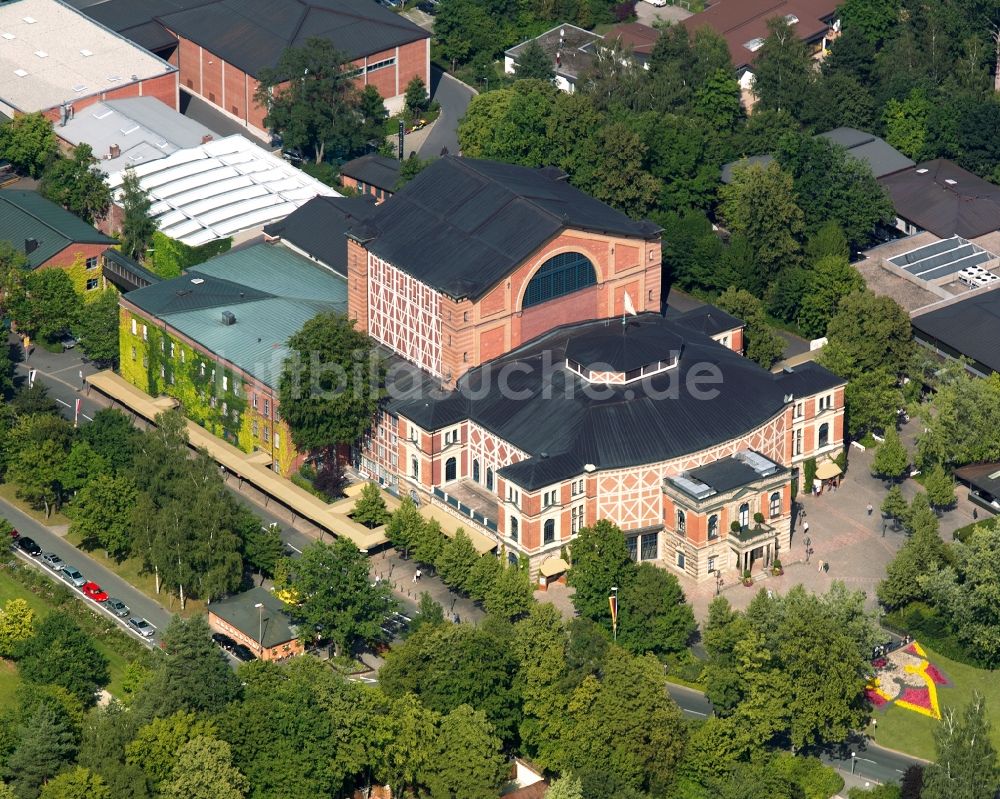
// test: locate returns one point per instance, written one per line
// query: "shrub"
(816, 780)
(808, 473)
(170, 257)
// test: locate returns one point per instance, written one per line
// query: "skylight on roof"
(86, 53)
(8, 36)
(104, 114)
(197, 280)
(921, 171)
(950, 182)
(754, 44)
(21, 73)
(41, 54)
(80, 87)
(114, 78)
(30, 20)
(127, 131)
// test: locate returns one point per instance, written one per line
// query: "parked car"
(427, 7)
(94, 591)
(72, 575)
(29, 546)
(224, 641)
(117, 607)
(143, 627)
(52, 561)
(67, 341)
(240, 652)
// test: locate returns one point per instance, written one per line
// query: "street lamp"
(260, 628)
(613, 599)
(854, 760)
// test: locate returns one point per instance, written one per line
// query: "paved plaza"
(843, 536)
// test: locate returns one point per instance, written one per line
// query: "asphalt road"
(454, 97)
(693, 704)
(138, 602)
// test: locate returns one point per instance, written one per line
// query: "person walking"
(870, 509)
(805, 528)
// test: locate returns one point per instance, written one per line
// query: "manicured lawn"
(913, 733)
(8, 673)
(8, 491)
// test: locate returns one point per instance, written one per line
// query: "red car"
(94, 591)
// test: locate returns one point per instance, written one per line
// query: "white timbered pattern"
(380, 449)
(633, 498)
(492, 453)
(404, 314)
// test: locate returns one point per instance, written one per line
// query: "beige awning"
(553, 566)
(451, 524)
(120, 390)
(828, 470)
(252, 468)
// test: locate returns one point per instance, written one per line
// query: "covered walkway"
(253, 468)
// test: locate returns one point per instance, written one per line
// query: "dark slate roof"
(709, 320)
(622, 348)
(806, 379)
(462, 225)
(252, 34)
(881, 157)
(135, 19)
(726, 474)
(970, 327)
(375, 170)
(319, 228)
(273, 625)
(984, 476)
(192, 292)
(28, 215)
(945, 199)
(608, 426)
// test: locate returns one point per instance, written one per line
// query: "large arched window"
(560, 275)
(713, 526)
(450, 469)
(681, 522)
(775, 505)
(475, 470)
(745, 515)
(824, 435)
(549, 531)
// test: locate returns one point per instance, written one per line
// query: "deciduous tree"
(16, 621)
(600, 560)
(138, 226)
(415, 98)
(370, 509)
(763, 345)
(480, 771)
(456, 560)
(783, 69)
(347, 609)
(60, 653)
(97, 329)
(403, 525)
(891, 459)
(49, 305)
(157, 744)
(966, 763)
(79, 783)
(511, 595)
(77, 184)
(204, 770)
(940, 487)
(653, 615)
(28, 142)
(532, 62)
(325, 397)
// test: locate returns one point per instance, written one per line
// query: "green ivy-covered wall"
(79, 275)
(210, 394)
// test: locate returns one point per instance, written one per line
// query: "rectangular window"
(632, 545)
(92, 263)
(711, 563)
(650, 546)
(163, 345)
(183, 356)
(225, 408)
(92, 284)
(173, 349)
(267, 409)
(277, 440)
(163, 372)
(680, 559)
(145, 333)
(133, 353)
(255, 428)
(254, 401)
(798, 442)
(133, 327)
(798, 410)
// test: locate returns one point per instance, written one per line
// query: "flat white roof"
(50, 53)
(220, 188)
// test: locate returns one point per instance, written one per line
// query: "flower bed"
(907, 679)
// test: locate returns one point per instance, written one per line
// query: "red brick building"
(87, 62)
(224, 45)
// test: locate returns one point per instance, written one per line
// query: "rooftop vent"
(922, 170)
(757, 462)
(791, 19)
(114, 78)
(754, 44)
(228, 318)
(80, 88)
(41, 54)
(30, 245)
(197, 280)
(21, 73)
(951, 182)
(86, 53)
(8, 36)
(30, 20)
(114, 151)
(692, 487)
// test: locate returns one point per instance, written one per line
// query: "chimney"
(30, 245)
(114, 151)
(206, 138)
(228, 318)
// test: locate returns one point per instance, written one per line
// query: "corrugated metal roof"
(970, 327)
(271, 291)
(319, 228)
(252, 34)
(28, 215)
(462, 225)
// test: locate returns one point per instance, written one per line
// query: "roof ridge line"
(302, 19)
(533, 202)
(387, 23)
(40, 221)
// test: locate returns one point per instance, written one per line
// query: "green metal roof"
(28, 215)
(270, 290)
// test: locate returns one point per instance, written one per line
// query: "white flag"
(629, 307)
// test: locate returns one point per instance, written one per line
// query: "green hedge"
(963, 533)
(924, 623)
(170, 257)
(816, 780)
